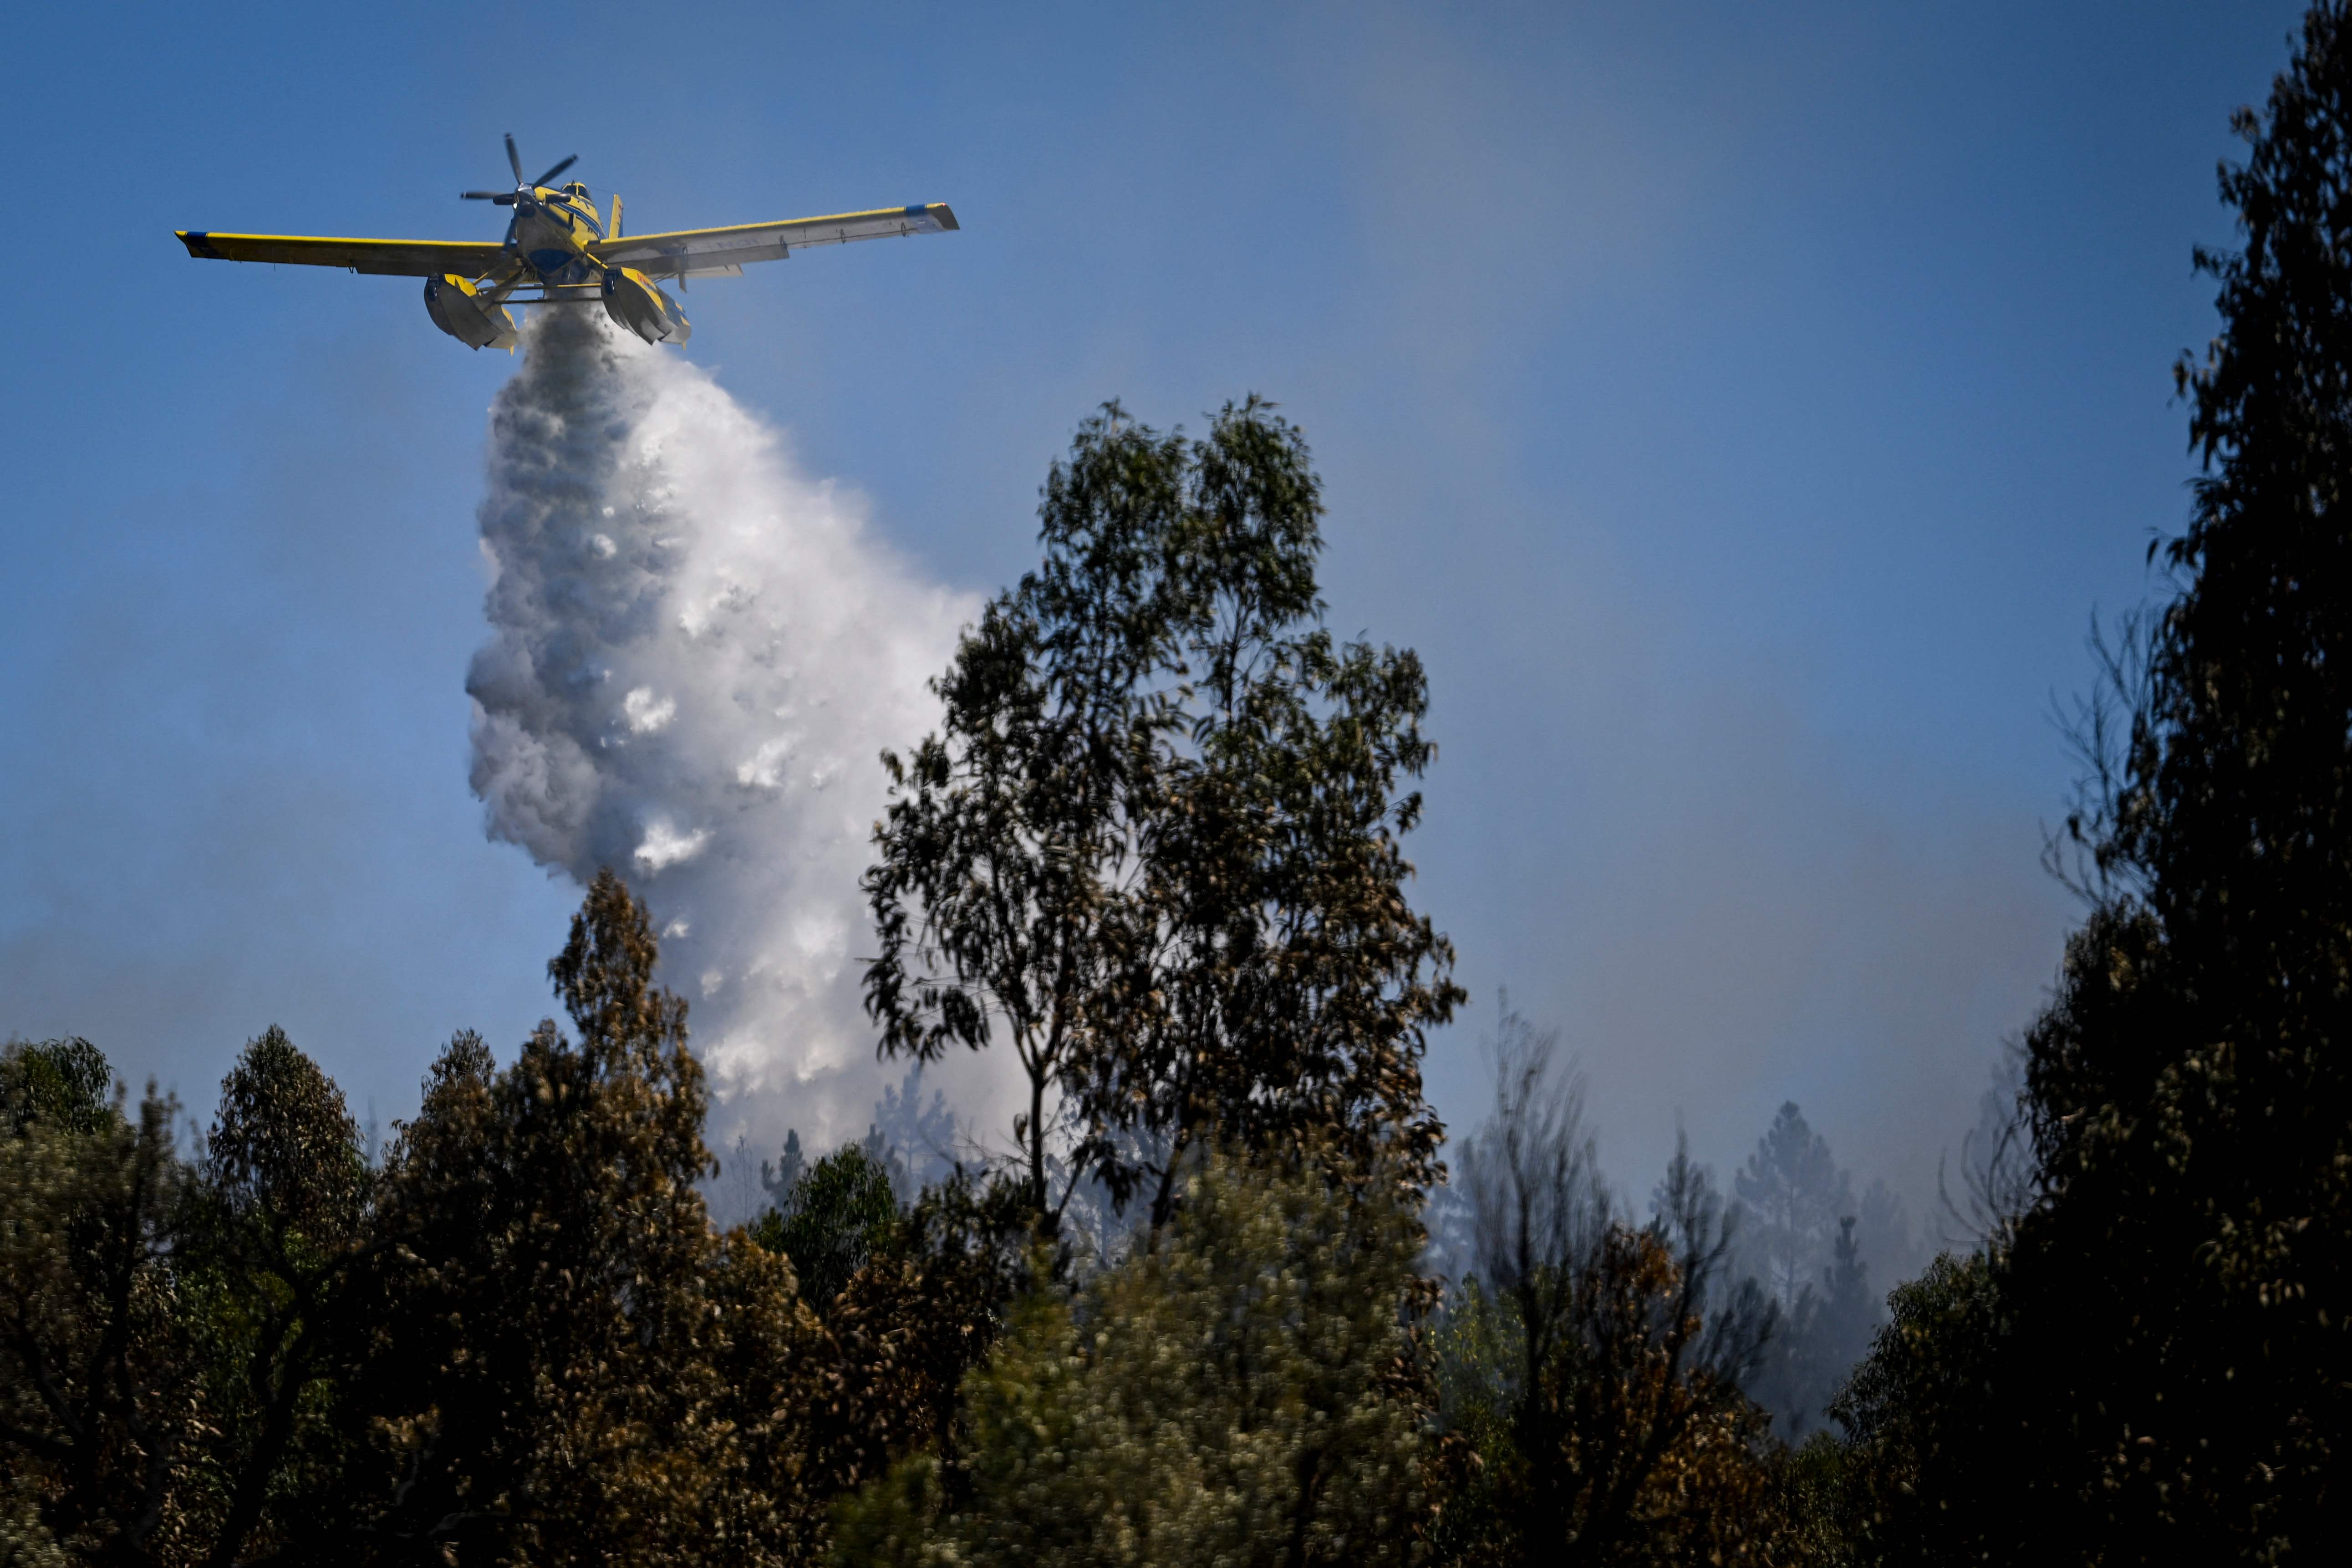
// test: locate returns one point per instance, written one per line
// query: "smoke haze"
(696, 656)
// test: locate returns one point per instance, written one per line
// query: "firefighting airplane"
(559, 245)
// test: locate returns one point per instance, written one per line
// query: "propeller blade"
(514, 159)
(551, 174)
(486, 195)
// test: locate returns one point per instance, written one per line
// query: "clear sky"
(1742, 408)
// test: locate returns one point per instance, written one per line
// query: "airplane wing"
(697, 250)
(401, 257)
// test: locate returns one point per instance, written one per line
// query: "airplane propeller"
(514, 162)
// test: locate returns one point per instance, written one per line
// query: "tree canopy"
(1154, 853)
(1155, 845)
(2190, 1094)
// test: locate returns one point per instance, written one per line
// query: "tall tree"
(566, 1359)
(273, 1232)
(1798, 1233)
(1818, 1342)
(1154, 844)
(1793, 1195)
(1287, 984)
(1008, 858)
(2190, 1093)
(99, 1382)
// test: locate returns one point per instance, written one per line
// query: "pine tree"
(1793, 1196)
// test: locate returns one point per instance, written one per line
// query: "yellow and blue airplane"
(562, 246)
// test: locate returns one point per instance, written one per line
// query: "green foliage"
(1809, 1513)
(62, 1084)
(1918, 1414)
(836, 1216)
(519, 1342)
(1239, 1393)
(1480, 1359)
(911, 1324)
(1154, 846)
(284, 1150)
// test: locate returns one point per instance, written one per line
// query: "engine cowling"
(635, 303)
(464, 313)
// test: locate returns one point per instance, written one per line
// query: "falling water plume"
(696, 654)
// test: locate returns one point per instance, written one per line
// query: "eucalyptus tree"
(1154, 846)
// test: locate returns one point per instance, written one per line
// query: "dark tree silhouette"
(2178, 1377)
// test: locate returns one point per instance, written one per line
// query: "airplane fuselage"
(552, 232)
(549, 239)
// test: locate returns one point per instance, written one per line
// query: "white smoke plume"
(697, 655)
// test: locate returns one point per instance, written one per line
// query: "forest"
(1231, 1294)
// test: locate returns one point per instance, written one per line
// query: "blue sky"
(1742, 409)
